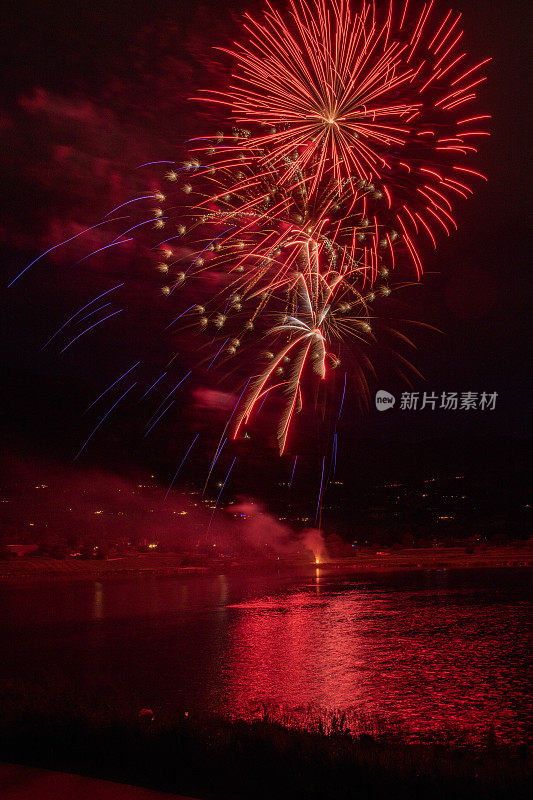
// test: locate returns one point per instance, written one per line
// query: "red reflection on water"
(433, 668)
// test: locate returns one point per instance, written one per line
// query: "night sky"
(91, 90)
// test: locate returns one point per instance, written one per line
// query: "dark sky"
(94, 89)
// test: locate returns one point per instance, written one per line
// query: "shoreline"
(154, 565)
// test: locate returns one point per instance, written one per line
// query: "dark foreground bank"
(212, 757)
(28, 783)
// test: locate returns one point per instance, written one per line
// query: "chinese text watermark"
(432, 401)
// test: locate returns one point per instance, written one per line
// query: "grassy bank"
(214, 757)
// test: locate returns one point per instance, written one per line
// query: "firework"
(373, 100)
(349, 141)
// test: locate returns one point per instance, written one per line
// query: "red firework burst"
(372, 101)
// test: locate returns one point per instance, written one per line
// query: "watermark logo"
(433, 401)
(384, 400)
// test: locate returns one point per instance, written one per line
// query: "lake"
(433, 651)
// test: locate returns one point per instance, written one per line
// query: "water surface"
(435, 650)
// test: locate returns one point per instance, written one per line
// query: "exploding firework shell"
(375, 100)
(349, 146)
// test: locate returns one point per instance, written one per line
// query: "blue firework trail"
(169, 395)
(135, 200)
(55, 247)
(293, 470)
(95, 311)
(319, 501)
(112, 385)
(220, 493)
(79, 312)
(182, 462)
(100, 249)
(115, 404)
(154, 384)
(90, 329)
(162, 414)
